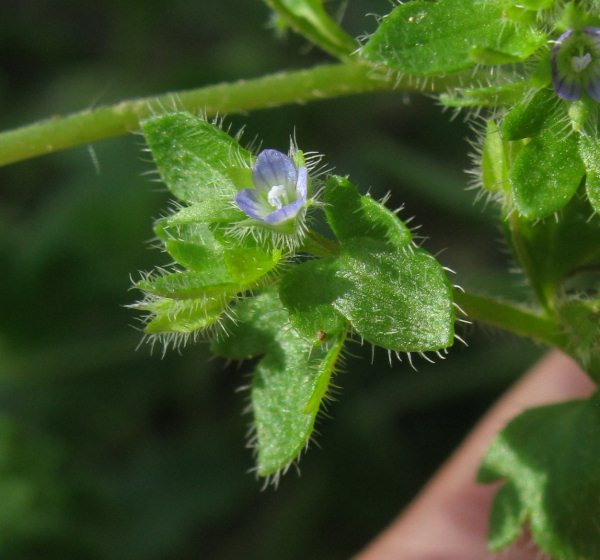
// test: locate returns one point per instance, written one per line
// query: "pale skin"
(448, 519)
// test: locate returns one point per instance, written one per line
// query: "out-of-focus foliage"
(109, 453)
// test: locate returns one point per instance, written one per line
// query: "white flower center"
(277, 196)
(580, 63)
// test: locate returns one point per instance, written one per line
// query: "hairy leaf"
(351, 215)
(546, 174)
(289, 382)
(589, 149)
(550, 457)
(431, 38)
(529, 116)
(194, 157)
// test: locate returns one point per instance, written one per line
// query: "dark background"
(111, 453)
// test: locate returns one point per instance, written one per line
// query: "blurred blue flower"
(280, 190)
(575, 64)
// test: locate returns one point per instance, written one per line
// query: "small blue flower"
(280, 190)
(575, 64)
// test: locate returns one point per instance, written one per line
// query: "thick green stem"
(512, 318)
(321, 82)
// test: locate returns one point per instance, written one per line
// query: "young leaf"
(400, 300)
(546, 174)
(309, 18)
(432, 38)
(194, 157)
(553, 474)
(580, 318)
(351, 215)
(494, 159)
(289, 383)
(183, 316)
(528, 117)
(491, 96)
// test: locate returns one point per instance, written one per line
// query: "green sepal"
(398, 299)
(188, 284)
(289, 382)
(184, 316)
(555, 479)
(529, 116)
(589, 150)
(309, 18)
(194, 157)
(432, 38)
(546, 173)
(351, 215)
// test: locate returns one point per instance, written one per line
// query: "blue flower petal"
(273, 168)
(302, 184)
(285, 213)
(250, 204)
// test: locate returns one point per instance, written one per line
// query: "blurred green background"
(107, 452)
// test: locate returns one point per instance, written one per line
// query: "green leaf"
(580, 318)
(552, 251)
(183, 316)
(207, 250)
(506, 517)
(311, 310)
(589, 150)
(529, 116)
(491, 96)
(351, 215)
(189, 284)
(546, 174)
(400, 300)
(551, 457)
(494, 159)
(309, 18)
(432, 38)
(194, 157)
(289, 383)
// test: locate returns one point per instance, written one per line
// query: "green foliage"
(194, 157)
(309, 18)
(351, 215)
(550, 459)
(409, 39)
(546, 174)
(589, 150)
(552, 250)
(289, 383)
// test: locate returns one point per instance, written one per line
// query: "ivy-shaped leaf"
(550, 459)
(431, 38)
(289, 382)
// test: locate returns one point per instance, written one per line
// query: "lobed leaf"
(431, 38)
(400, 300)
(553, 479)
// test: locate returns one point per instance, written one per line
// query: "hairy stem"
(320, 82)
(515, 319)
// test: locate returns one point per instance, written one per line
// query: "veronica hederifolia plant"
(245, 260)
